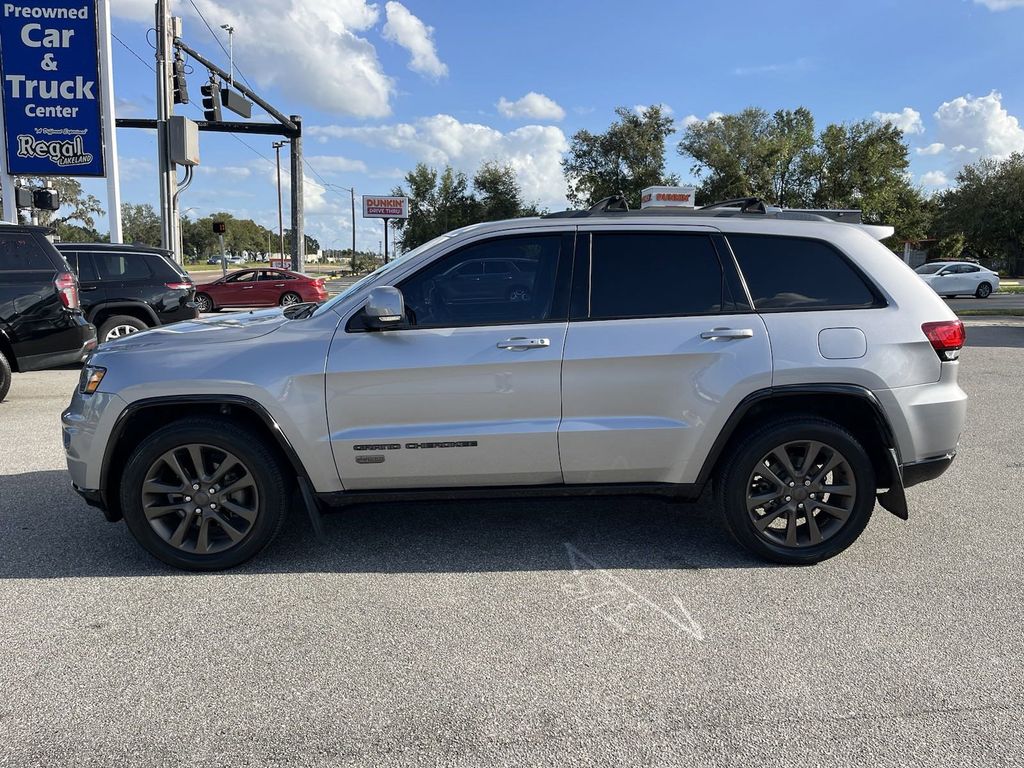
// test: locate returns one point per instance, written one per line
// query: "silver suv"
(789, 359)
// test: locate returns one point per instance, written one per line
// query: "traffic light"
(45, 199)
(220, 227)
(180, 85)
(211, 101)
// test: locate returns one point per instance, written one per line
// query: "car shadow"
(1009, 336)
(47, 531)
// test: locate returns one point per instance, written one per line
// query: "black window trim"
(580, 296)
(880, 302)
(563, 282)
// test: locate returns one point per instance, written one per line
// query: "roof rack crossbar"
(745, 204)
(611, 203)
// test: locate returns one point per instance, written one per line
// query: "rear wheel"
(5, 377)
(204, 494)
(119, 326)
(984, 291)
(290, 298)
(797, 491)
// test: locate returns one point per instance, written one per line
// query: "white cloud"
(533, 151)
(1001, 5)
(692, 119)
(931, 149)
(296, 45)
(797, 65)
(979, 124)
(408, 31)
(935, 179)
(641, 109)
(907, 120)
(336, 164)
(535, 106)
(234, 172)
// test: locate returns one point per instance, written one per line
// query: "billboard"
(49, 65)
(668, 197)
(377, 207)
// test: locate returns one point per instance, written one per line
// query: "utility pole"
(170, 235)
(298, 229)
(280, 213)
(353, 191)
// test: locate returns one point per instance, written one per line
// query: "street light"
(231, 52)
(280, 215)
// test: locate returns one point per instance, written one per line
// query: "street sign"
(377, 207)
(52, 95)
(668, 197)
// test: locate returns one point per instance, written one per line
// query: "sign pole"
(109, 123)
(385, 240)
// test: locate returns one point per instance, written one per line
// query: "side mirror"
(385, 309)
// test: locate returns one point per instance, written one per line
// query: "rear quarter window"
(792, 273)
(19, 252)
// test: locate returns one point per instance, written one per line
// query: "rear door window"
(122, 266)
(653, 274)
(19, 252)
(792, 273)
(85, 266)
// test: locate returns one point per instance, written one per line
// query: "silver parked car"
(787, 358)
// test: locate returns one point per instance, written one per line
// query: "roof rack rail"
(745, 204)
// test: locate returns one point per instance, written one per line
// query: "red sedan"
(259, 288)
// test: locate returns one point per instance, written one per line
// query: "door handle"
(248, 287)
(518, 343)
(724, 334)
(86, 288)
(279, 285)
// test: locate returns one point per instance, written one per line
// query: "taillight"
(178, 286)
(947, 338)
(320, 281)
(67, 289)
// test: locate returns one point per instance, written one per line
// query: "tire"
(204, 303)
(119, 326)
(949, 296)
(519, 294)
(5, 377)
(744, 480)
(255, 511)
(984, 291)
(289, 298)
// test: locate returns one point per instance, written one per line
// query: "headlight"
(91, 377)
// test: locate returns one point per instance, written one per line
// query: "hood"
(239, 326)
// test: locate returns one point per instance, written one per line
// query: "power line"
(132, 51)
(217, 40)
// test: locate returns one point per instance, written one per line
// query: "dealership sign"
(51, 88)
(375, 207)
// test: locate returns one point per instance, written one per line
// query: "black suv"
(129, 288)
(41, 321)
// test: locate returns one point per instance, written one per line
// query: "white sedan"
(956, 278)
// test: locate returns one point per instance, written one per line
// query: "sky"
(382, 86)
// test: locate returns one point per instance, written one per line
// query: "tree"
(983, 210)
(140, 224)
(312, 244)
(751, 154)
(439, 203)
(76, 206)
(626, 158)
(779, 159)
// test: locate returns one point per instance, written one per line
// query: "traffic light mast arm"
(247, 92)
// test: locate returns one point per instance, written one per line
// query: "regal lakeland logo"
(61, 152)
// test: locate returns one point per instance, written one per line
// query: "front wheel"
(984, 291)
(5, 377)
(204, 494)
(204, 303)
(797, 491)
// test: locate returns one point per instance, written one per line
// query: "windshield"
(381, 270)
(929, 269)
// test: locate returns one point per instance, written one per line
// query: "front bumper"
(86, 425)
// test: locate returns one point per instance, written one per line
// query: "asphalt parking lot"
(593, 632)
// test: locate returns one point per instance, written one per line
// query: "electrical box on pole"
(183, 138)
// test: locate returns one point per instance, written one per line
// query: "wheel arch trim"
(793, 390)
(137, 305)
